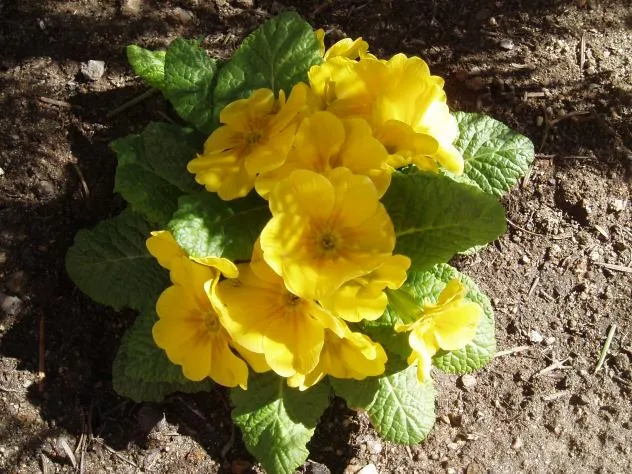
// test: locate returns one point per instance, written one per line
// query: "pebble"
(517, 444)
(468, 381)
(374, 446)
(368, 469)
(131, 7)
(549, 341)
(10, 305)
(182, 15)
(45, 189)
(93, 70)
(507, 44)
(1, 172)
(536, 337)
(313, 467)
(618, 205)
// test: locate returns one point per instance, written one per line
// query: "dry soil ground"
(557, 71)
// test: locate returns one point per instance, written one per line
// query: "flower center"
(291, 299)
(211, 321)
(253, 137)
(329, 242)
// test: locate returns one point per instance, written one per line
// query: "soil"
(560, 279)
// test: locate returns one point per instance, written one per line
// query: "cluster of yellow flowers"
(322, 157)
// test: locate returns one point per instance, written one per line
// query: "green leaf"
(495, 156)
(205, 225)
(476, 354)
(402, 410)
(151, 173)
(358, 394)
(277, 421)
(435, 217)
(111, 264)
(276, 56)
(381, 330)
(189, 82)
(142, 371)
(150, 65)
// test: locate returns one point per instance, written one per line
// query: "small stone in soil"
(10, 305)
(45, 189)
(535, 336)
(316, 468)
(374, 446)
(506, 44)
(368, 469)
(517, 444)
(93, 70)
(468, 381)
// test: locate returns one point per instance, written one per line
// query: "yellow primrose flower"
(265, 318)
(346, 47)
(352, 355)
(324, 142)
(256, 137)
(325, 231)
(402, 90)
(190, 332)
(449, 324)
(364, 297)
(171, 256)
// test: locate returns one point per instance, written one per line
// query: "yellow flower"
(324, 142)
(265, 318)
(449, 324)
(346, 47)
(325, 231)
(256, 137)
(351, 355)
(190, 332)
(364, 297)
(171, 256)
(398, 90)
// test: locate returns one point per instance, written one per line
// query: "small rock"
(245, 3)
(45, 189)
(10, 305)
(316, 468)
(549, 341)
(539, 121)
(474, 468)
(524, 259)
(492, 22)
(182, 15)
(468, 381)
(451, 470)
(93, 70)
(453, 446)
(368, 469)
(536, 337)
(517, 444)
(618, 205)
(131, 7)
(1, 172)
(506, 44)
(374, 446)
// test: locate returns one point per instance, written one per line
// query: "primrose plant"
(290, 243)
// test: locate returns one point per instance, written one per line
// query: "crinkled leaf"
(189, 82)
(276, 421)
(402, 410)
(358, 394)
(205, 225)
(495, 155)
(149, 65)
(476, 354)
(435, 217)
(142, 371)
(111, 264)
(151, 173)
(276, 56)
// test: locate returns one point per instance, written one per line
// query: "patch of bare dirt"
(556, 71)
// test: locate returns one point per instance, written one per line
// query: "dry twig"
(612, 266)
(605, 348)
(513, 350)
(58, 103)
